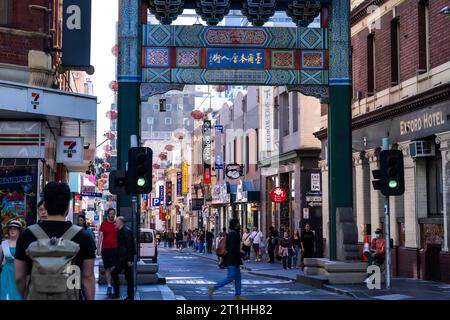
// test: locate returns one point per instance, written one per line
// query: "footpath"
(401, 288)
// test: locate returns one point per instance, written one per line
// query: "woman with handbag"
(286, 250)
(246, 243)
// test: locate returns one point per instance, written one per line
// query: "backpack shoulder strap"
(71, 232)
(38, 232)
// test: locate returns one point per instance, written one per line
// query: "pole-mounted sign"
(76, 35)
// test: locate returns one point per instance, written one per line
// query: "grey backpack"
(52, 265)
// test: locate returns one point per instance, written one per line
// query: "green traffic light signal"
(393, 184)
(141, 182)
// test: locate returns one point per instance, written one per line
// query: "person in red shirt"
(107, 243)
(377, 248)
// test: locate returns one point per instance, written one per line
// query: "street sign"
(315, 181)
(278, 195)
(219, 128)
(155, 202)
(305, 213)
(91, 194)
(234, 171)
(167, 217)
(96, 217)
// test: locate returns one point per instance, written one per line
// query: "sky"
(104, 18)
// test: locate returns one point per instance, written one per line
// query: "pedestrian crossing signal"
(392, 173)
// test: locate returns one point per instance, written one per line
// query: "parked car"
(148, 245)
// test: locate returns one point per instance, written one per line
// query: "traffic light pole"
(387, 224)
(134, 226)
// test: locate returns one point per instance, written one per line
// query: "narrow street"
(188, 275)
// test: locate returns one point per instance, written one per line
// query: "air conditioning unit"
(419, 149)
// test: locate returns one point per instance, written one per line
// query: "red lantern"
(197, 114)
(112, 114)
(107, 155)
(104, 175)
(114, 86)
(110, 135)
(169, 147)
(156, 166)
(106, 165)
(107, 147)
(115, 50)
(162, 156)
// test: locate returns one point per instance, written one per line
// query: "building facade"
(401, 91)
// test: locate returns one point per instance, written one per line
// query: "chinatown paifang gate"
(154, 59)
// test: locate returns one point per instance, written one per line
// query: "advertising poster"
(18, 193)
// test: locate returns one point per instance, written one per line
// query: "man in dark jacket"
(232, 260)
(126, 251)
(209, 240)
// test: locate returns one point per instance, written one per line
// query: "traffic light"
(376, 182)
(117, 182)
(139, 176)
(392, 173)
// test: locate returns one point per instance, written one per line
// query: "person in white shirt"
(256, 237)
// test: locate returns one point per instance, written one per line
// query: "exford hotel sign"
(427, 120)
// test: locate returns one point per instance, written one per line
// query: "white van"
(148, 245)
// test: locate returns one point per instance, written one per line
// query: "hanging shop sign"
(266, 120)
(161, 194)
(219, 194)
(179, 184)
(234, 55)
(207, 152)
(185, 177)
(278, 195)
(315, 181)
(76, 35)
(69, 150)
(234, 171)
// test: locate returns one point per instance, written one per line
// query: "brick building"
(38, 105)
(401, 91)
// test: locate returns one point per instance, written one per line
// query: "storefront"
(219, 206)
(247, 205)
(28, 149)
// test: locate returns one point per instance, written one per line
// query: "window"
(180, 107)
(275, 114)
(295, 112)
(146, 237)
(371, 65)
(424, 33)
(434, 186)
(247, 153)
(185, 122)
(257, 148)
(150, 120)
(285, 112)
(5, 12)
(395, 53)
(168, 120)
(155, 107)
(168, 107)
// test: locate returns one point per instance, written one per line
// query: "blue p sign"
(155, 202)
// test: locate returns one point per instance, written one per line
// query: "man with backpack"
(55, 244)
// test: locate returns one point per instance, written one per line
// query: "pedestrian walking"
(201, 242)
(179, 238)
(246, 243)
(286, 250)
(296, 243)
(170, 238)
(82, 223)
(232, 261)
(209, 240)
(126, 251)
(8, 288)
(185, 240)
(271, 244)
(107, 244)
(256, 237)
(42, 212)
(74, 246)
(307, 243)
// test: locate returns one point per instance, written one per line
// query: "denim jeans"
(297, 255)
(201, 247)
(233, 274)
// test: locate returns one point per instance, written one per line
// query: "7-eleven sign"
(69, 150)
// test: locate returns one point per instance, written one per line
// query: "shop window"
(434, 186)
(5, 12)
(285, 112)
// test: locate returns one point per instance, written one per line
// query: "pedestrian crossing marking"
(192, 280)
(393, 297)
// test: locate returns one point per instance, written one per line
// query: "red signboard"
(278, 195)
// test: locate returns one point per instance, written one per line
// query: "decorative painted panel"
(234, 55)
(128, 62)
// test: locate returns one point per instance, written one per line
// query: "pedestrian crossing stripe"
(244, 282)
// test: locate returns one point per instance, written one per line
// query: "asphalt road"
(189, 275)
